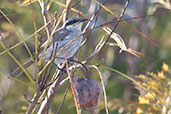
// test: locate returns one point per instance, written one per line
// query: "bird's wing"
(60, 35)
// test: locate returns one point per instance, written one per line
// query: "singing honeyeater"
(62, 36)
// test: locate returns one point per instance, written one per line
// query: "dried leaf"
(118, 39)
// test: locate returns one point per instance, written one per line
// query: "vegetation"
(126, 49)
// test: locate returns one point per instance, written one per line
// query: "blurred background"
(148, 35)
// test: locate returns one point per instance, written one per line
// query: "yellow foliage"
(139, 110)
(165, 67)
(143, 100)
(160, 75)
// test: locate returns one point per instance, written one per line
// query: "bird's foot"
(72, 60)
(61, 70)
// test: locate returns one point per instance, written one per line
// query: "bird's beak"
(84, 19)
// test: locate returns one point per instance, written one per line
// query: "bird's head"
(74, 23)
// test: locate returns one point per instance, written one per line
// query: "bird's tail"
(19, 71)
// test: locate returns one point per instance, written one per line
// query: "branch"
(65, 17)
(33, 103)
(51, 93)
(103, 42)
(45, 15)
(58, 83)
(63, 99)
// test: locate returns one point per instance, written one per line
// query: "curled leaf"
(118, 39)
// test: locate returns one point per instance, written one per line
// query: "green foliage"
(122, 94)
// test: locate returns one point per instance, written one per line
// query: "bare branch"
(51, 93)
(33, 103)
(57, 83)
(63, 100)
(65, 17)
(45, 15)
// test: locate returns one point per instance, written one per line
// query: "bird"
(62, 36)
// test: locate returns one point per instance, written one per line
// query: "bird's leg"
(60, 69)
(72, 60)
(57, 66)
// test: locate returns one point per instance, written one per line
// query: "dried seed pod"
(88, 92)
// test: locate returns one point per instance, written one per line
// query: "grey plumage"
(65, 36)
(61, 37)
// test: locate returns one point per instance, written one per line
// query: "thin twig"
(51, 92)
(28, 100)
(117, 22)
(103, 87)
(113, 29)
(107, 23)
(72, 88)
(14, 58)
(36, 50)
(50, 38)
(55, 84)
(66, 91)
(103, 43)
(65, 17)
(33, 103)
(45, 15)
(18, 33)
(94, 17)
(83, 65)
